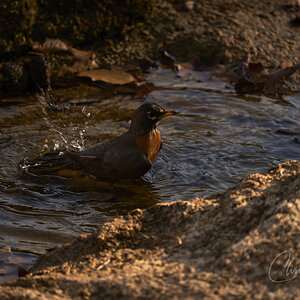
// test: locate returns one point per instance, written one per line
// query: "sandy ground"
(236, 29)
(213, 31)
(203, 31)
(229, 246)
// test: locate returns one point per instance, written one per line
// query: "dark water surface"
(217, 140)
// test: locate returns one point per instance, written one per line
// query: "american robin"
(127, 156)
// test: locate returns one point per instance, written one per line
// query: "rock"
(233, 245)
(146, 63)
(32, 76)
(15, 78)
(131, 32)
(83, 60)
(39, 73)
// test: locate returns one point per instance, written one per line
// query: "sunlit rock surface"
(237, 244)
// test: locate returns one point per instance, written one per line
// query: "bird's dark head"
(147, 115)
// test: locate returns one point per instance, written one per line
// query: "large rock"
(76, 21)
(224, 246)
(33, 76)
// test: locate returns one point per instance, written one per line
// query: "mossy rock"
(18, 19)
(79, 22)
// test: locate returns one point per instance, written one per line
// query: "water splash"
(76, 141)
(78, 132)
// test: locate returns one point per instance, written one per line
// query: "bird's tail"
(47, 164)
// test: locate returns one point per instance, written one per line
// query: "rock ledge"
(224, 246)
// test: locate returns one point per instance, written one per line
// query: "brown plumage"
(127, 156)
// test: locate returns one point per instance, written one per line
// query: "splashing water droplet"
(56, 146)
(46, 101)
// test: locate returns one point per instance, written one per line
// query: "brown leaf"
(114, 76)
(168, 59)
(267, 83)
(246, 85)
(255, 68)
(22, 272)
(286, 131)
(271, 81)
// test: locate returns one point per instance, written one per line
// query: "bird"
(128, 156)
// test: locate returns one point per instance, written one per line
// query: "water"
(217, 139)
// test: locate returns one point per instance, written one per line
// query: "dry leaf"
(249, 82)
(108, 76)
(286, 131)
(168, 59)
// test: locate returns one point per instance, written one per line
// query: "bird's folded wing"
(49, 163)
(127, 163)
(121, 163)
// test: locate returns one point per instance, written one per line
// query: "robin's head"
(147, 115)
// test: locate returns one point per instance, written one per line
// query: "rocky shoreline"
(209, 32)
(231, 245)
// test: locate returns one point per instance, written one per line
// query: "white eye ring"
(153, 117)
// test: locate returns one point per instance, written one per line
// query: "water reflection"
(218, 138)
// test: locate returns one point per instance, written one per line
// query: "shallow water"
(217, 139)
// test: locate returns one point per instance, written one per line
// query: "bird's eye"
(151, 115)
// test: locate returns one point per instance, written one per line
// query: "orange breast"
(150, 144)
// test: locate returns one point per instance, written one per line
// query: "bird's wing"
(126, 163)
(50, 163)
(115, 159)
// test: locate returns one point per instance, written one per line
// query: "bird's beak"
(167, 113)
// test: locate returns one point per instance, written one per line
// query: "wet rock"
(82, 60)
(32, 76)
(231, 245)
(16, 78)
(146, 63)
(39, 74)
